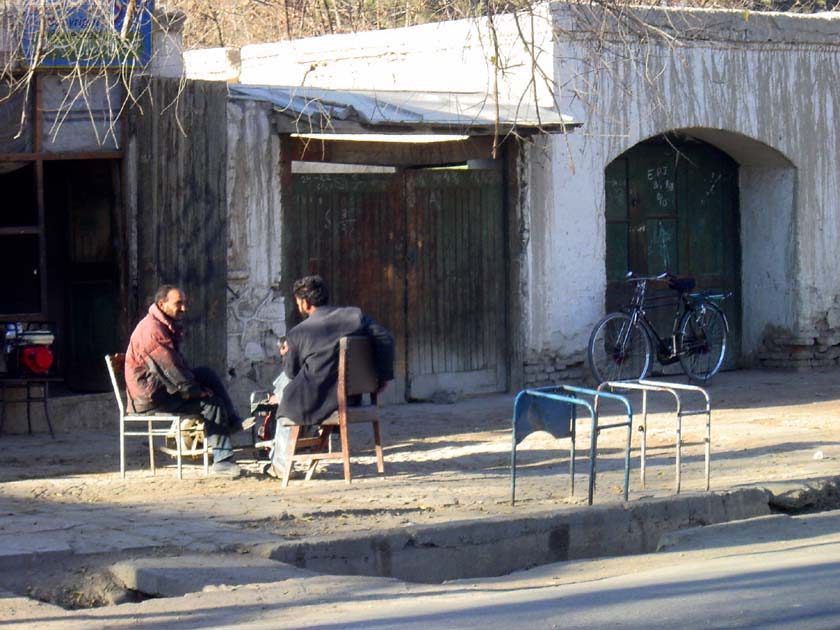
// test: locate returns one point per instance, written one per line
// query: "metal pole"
(708, 446)
(627, 457)
(643, 429)
(513, 458)
(593, 449)
(572, 454)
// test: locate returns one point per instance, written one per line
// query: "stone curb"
(810, 495)
(500, 545)
(467, 549)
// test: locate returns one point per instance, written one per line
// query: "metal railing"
(554, 410)
(674, 389)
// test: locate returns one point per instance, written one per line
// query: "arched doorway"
(672, 205)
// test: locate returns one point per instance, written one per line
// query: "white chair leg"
(151, 447)
(122, 448)
(179, 441)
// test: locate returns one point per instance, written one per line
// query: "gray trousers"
(282, 430)
(220, 417)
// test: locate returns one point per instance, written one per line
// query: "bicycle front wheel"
(619, 349)
(703, 332)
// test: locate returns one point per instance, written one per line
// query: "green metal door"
(672, 205)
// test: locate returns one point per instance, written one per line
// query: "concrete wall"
(553, 322)
(167, 45)
(759, 86)
(256, 310)
(403, 59)
(767, 217)
(406, 59)
(212, 64)
(411, 58)
(628, 86)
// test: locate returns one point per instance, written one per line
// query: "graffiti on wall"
(256, 321)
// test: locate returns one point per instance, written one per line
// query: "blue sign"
(90, 33)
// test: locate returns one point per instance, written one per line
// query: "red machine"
(35, 359)
(28, 352)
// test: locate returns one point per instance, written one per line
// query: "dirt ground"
(444, 462)
(452, 461)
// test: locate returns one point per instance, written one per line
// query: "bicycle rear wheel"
(703, 332)
(618, 349)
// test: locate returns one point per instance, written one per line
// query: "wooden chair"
(356, 377)
(187, 430)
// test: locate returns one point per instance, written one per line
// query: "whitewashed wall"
(167, 45)
(457, 56)
(762, 88)
(256, 316)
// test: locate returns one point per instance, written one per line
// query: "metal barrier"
(554, 410)
(673, 389)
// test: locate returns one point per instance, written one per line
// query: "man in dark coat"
(306, 391)
(158, 378)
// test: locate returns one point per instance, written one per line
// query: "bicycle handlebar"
(662, 276)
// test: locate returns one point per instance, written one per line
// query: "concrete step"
(175, 576)
(503, 544)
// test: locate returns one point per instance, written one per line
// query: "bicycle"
(621, 344)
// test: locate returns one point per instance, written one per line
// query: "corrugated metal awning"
(305, 110)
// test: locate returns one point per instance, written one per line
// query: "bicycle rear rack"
(554, 409)
(673, 389)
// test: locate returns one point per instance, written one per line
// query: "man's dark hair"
(163, 291)
(313, 289)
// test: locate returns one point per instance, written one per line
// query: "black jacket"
(312, 360)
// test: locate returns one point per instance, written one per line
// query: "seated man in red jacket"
(158, 378)
(305, 391)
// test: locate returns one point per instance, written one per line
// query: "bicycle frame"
(668, 349)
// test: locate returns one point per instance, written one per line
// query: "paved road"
(790, 589)
(781, 573)
(774, 572)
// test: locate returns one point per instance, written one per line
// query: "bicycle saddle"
(681, 283)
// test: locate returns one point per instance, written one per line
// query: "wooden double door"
(423, 252)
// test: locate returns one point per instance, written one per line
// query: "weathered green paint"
(681, 201)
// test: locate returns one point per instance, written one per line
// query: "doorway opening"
(421, 249)
(672, 205)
